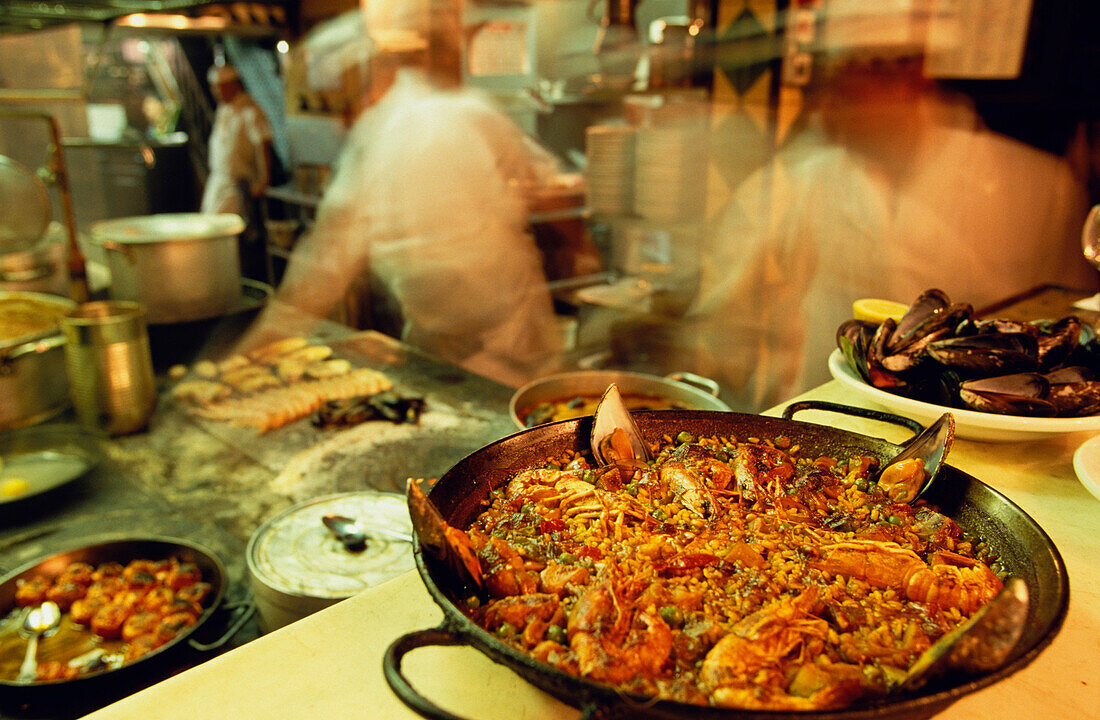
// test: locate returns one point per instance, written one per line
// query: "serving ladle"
(37, 623)
(911, 472)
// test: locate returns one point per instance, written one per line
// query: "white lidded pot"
(298, 566)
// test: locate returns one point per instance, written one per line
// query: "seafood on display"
(274, 385)
(940, 352)
(725, 572)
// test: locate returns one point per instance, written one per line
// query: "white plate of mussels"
(969, 424)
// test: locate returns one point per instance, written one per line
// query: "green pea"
(672, 615)
(567, 558)
(894, 520)
(506, 630)
(556, 633)
(684, 436)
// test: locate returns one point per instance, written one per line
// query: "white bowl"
(1086, 463)
(969, 424)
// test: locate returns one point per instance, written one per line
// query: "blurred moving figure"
(429, 201)
(239, 147)
(894, 187)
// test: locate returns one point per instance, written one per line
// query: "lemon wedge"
(13, 487)
(876, 310)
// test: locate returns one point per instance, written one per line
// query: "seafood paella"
(726, 572)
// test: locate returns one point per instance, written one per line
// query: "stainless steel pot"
(34, 385)
(692, 392)
(42, 267)
(180, 266)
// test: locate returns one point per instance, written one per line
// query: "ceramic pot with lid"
(180, 266)
(298, 566)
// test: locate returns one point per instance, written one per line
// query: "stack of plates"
(609, 150)
(669, 173)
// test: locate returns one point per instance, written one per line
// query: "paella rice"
(726, 572)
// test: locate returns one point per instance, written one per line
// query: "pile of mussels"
(940, 353)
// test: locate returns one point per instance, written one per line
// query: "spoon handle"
(28, 672)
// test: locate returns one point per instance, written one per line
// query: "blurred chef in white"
(894, 187)
(429, 202)
(239, 147)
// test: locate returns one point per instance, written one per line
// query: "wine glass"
(1090, 237)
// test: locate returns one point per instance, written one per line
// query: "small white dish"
(969, 424)
(1086, 463)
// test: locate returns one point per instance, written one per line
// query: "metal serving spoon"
(354, 535)
(911, 472)
(38, 622)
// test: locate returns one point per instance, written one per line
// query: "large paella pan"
(1021, 546)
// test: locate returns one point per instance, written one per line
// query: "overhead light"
(165, 21)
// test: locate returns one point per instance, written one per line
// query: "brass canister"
(110, 366)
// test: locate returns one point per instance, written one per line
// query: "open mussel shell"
(615, 437)
(1015, 394)
(929, 450)
(444, 542)
(987, 354)
(981, 644)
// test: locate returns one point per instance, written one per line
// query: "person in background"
(894, 187)
(239, 147)
(424, 224)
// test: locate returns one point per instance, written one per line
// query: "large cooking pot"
(122, 549)
(1024, 547)
(180, 266)
(689, 391)
(34, 385)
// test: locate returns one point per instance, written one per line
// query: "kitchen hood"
(183, 16)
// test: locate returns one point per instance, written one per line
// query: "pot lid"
(24, 206)
(295, 554)
(167, 226)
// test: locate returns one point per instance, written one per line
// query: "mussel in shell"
(940, 353)
(987, 354)
(1016, 394)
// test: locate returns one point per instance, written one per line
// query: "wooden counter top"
(330, 664)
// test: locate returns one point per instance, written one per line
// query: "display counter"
(214, 484)
(330, 663)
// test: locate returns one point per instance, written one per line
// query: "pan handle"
(439, 636)
(245, 609)
(703, 383)
(790, 410)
